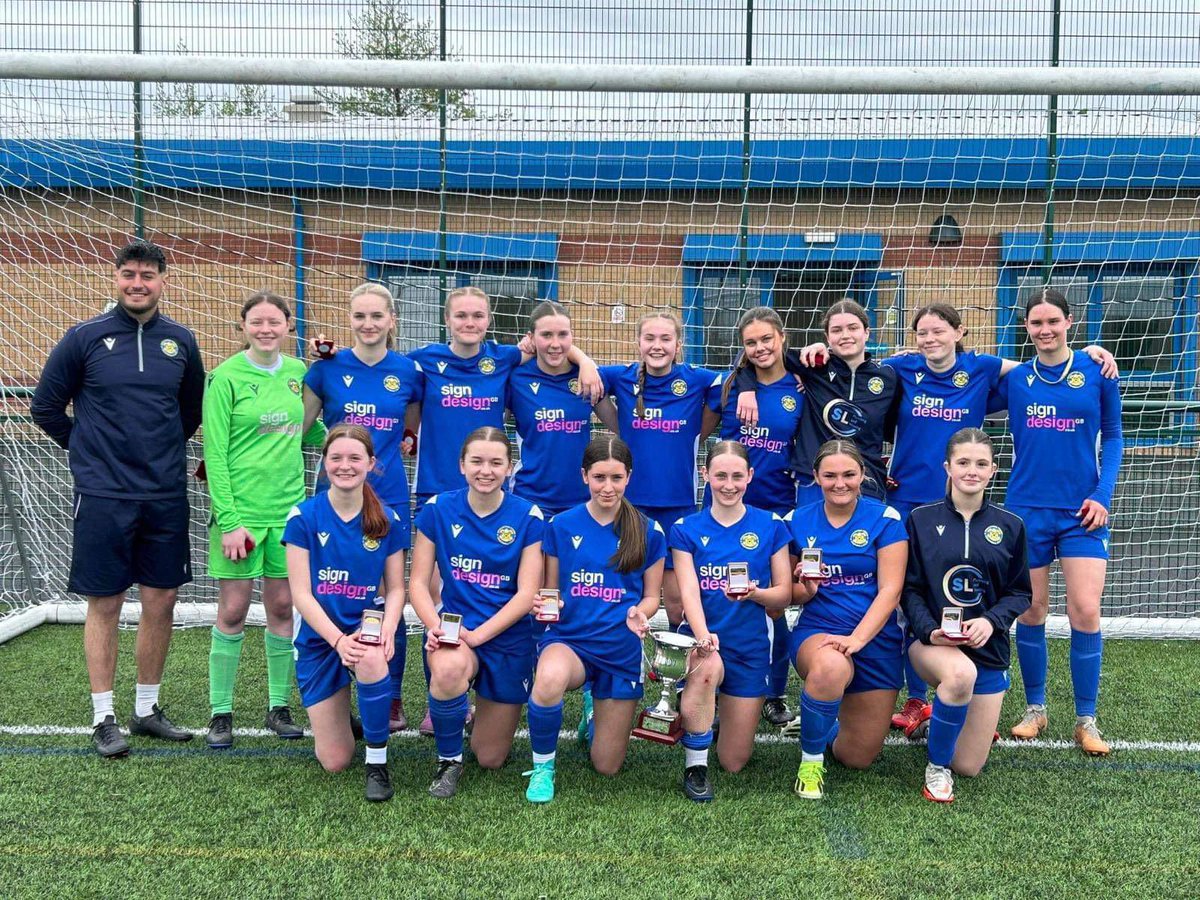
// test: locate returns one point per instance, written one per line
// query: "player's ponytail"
(375, 524)
(630, 525)
(757, 314)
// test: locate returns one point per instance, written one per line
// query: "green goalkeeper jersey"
(252, 441)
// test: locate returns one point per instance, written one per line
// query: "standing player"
(370, 384)
(849, 396)
(253, 417)
(345, 555)
(487, 543)
(606, 559)
(136, 381)
(847, 642)
(665, 410)
(733, 629)
(769, 443)
(1061, 409)
(968, 556)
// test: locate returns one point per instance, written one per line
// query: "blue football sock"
(916, 684)
(1031, 652)
(780, 664)
(1086, 653)
(374, 706)
(544, 724)
(396, 664)
(449, 717)
(817, 719)
(944, 728)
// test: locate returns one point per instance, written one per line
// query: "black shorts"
(119, 543)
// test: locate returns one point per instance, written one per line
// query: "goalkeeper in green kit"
(253, 422)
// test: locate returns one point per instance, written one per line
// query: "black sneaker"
(157, 725)
(776, 712)
(445, 780)
(356, 728)
(220, 732)
(279, 720)
(696, 784)
(109, 741)
(379, 783)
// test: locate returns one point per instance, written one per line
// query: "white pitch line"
(892, 741)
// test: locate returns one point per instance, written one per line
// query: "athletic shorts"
(744, 679)
(319, 673)
(268, 559)
(119, 543)
(503, 677)
(874, 672)
(606, 684)
(1052, 533)
(991, 681)
(666, 516)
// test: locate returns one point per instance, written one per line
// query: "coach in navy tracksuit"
(968, 556)
(136, 381)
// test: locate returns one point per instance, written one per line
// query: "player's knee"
(490, 758)
(856, 758)
(828, 675)
(967, 769)
(733, 761)
(957, 685)
(335, 759)
(607, 767)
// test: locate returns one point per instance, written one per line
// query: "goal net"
(676, 190)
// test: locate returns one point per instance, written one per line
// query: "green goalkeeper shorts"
(268, 558)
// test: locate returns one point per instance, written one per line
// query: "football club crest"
(391, 383)
(168, 347)
(573, 385)
(678, 387)
(370, 543)
(1076, 380)
(294, 386)
(487, 365)
(960, 379)
(749, 541)
(993, 534)
(860, 537)
(788, 403)
(506, 534)
(875, 385)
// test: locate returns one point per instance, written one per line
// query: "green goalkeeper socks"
(223, 658)
(281, 669)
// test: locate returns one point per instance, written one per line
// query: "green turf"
(264, 821)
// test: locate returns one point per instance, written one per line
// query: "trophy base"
(660, 731)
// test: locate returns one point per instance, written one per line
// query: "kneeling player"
(344, 553)
(967, 581)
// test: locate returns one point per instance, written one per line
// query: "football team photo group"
(816, 513)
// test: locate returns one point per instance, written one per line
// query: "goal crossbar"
(1033, 80)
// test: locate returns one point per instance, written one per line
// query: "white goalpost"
(614, 189)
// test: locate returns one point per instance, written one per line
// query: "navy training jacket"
(137, 391)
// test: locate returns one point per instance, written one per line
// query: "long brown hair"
(375, 524)
(670, 316)
(489, 434)
(630, 525)
(754, 314)
(849, 307)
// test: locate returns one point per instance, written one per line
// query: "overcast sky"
(877, 32)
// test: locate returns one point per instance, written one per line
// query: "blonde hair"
(467, 291)
(375, 289)
(673, 318)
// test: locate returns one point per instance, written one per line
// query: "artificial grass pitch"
(263, 820)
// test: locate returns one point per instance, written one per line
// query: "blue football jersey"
(596, 597)
(769, 443)
(934, 405)
(345, 567)
(553, 429)
(849, 556)
(460, 396)
(743, 627)
(479, 558)
(1066, 427)
(665, 439)
(375, 397)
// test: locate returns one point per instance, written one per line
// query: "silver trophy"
(660, 723)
